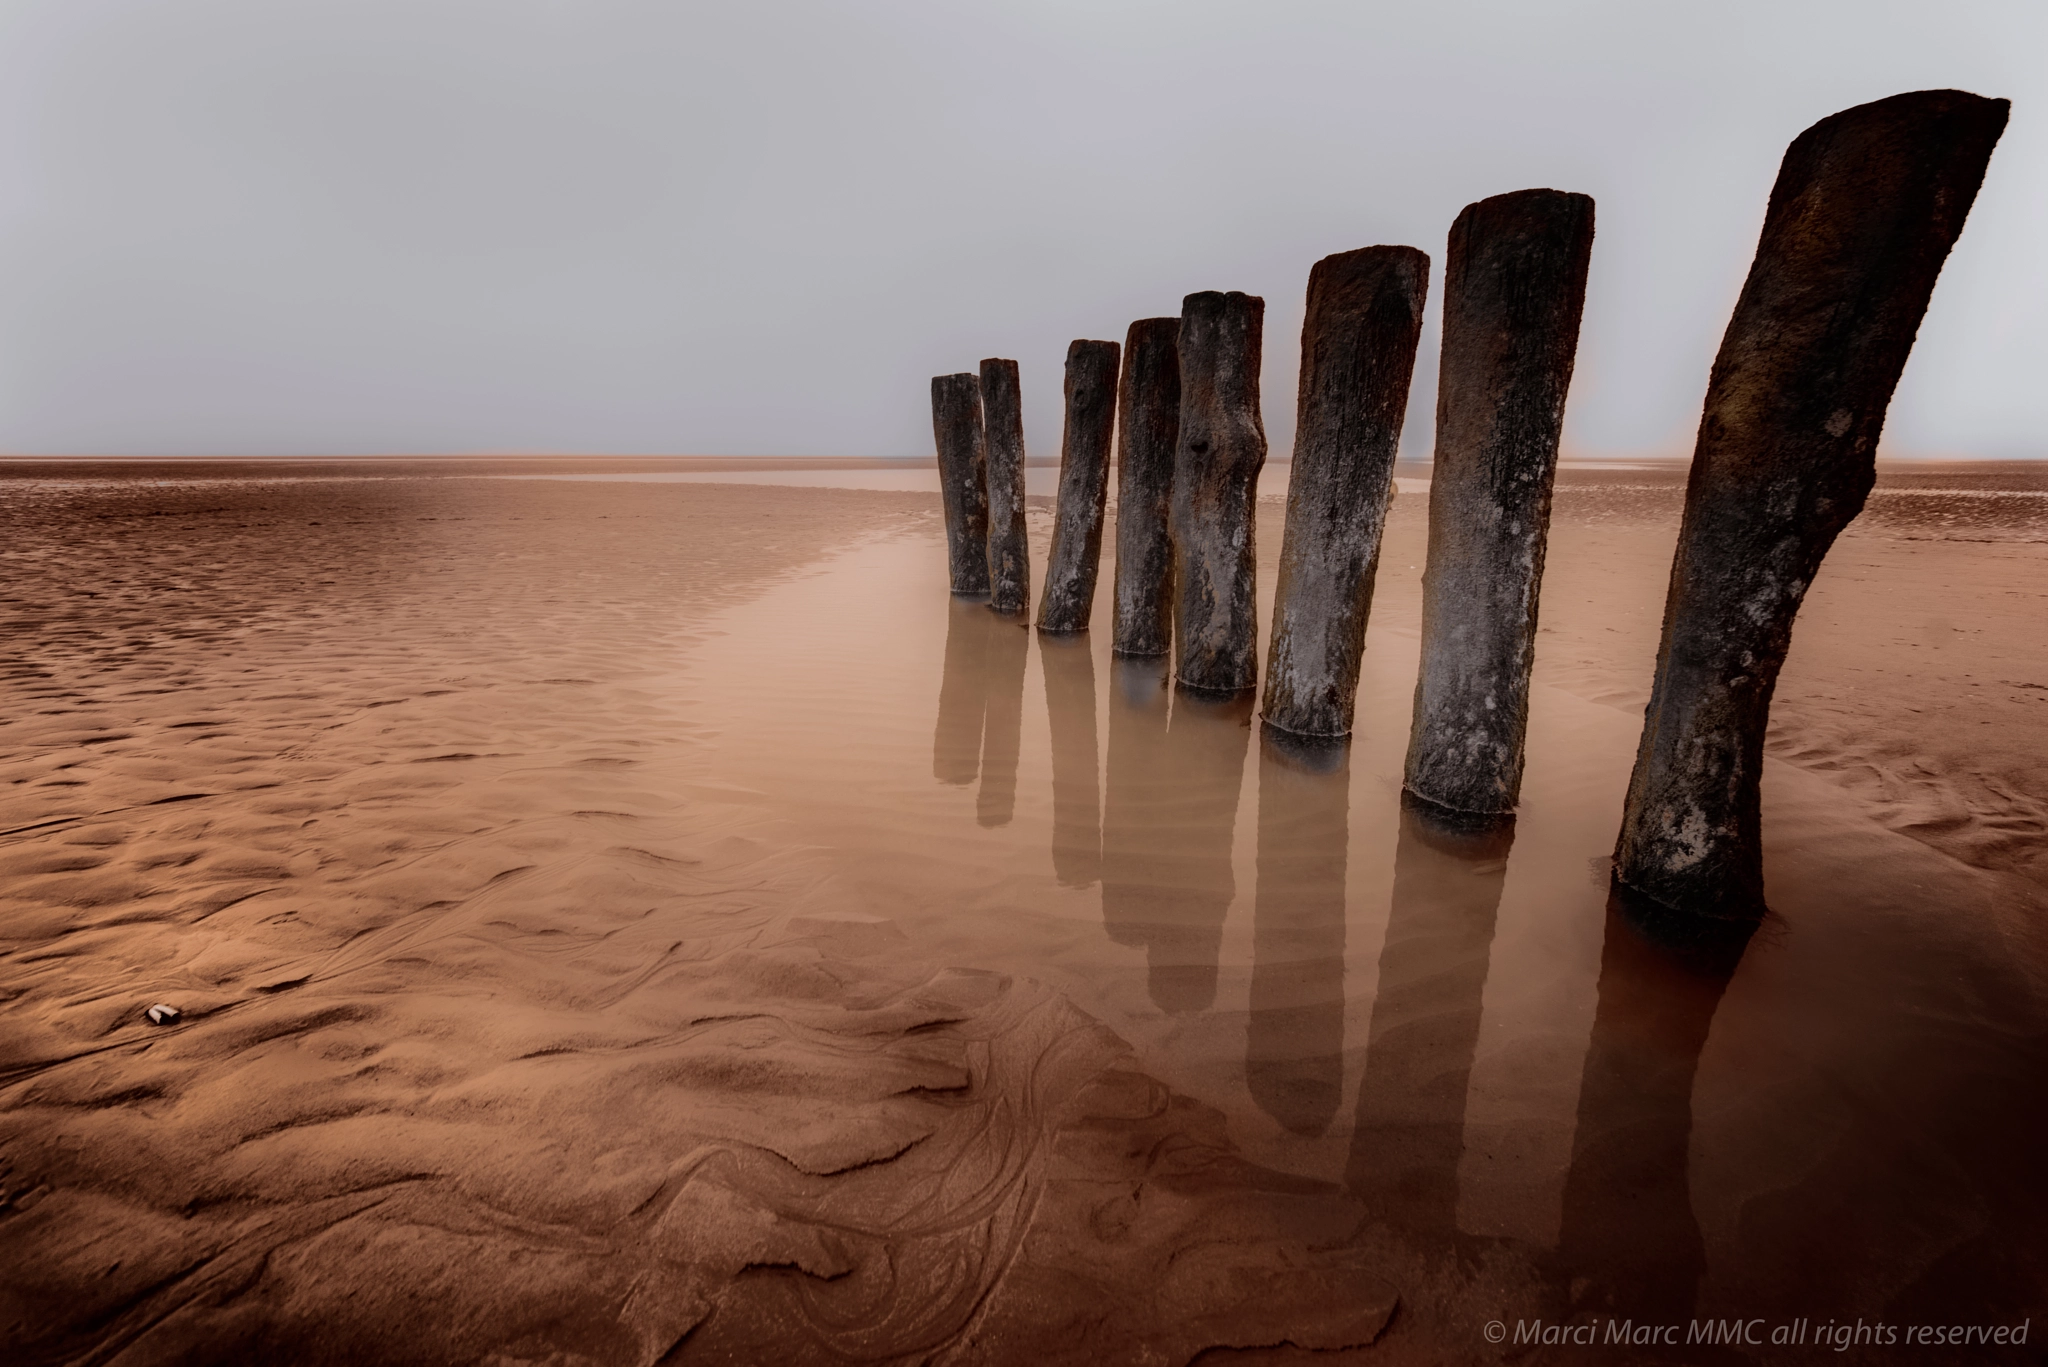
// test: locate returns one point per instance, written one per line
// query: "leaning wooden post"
(1009, 550)
(1217, 458)
(1867, 204)
(1357, 356)
(1076, 555)
(1147, 430)
(963, 479)
(1514, 287)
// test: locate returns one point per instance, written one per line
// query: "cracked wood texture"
(1148, 429)
(1009, 549)
(1076, 556)
(963, 479)
(1220, 450)
(1357, 356)
(1514, 287)
(1867, 204)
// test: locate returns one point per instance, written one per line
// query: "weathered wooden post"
(1357, 356)
(1866, 206)
(1009, 549)
(963, 479)
(1148, 429)
(1514, 287)
(1070, 568)
(1218, 454)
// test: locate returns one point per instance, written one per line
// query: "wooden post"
(1009, 549)
(1148, 428)
(1514, 287)
(1076, 556)
(1357, 356)
(963, 479)
(1220, 450)
(1866, 206)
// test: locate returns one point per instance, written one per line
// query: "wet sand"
(625, 921)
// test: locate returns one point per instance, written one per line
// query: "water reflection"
(1410, 1133)
(963, 693)
(1170, 813)
(1007, 647)
(1294, 1042)
(1069, 665)
(1629, 1239)
(980, 730)
(1133, 849)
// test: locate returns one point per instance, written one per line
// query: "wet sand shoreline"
(509, 969)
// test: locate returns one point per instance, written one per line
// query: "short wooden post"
(1148, 428)
(1514, 287)
(1220, 450)
(1071, 567)
(963, 479)
(1357, 356)
(1009, 548)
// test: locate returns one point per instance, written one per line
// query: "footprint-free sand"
(628, 920)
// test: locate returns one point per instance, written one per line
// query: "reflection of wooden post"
(1221, 449)
(1514, 286)
(1410, 1131)
(1069, 666)
(1294, 1036)
(1629, 1241)
(1206, 743)
(1867, 204)
(1148, 427)
(1168, 821)
(963, 695)
(1136, 852)
(1002, 734)
(1076, 555)
(963, 479)
(1357, 354)
(1009, 550)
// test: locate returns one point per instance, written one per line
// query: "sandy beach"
(593, 946)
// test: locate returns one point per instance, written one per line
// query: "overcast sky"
(752, 227)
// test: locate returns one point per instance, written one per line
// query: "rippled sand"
(634, 921)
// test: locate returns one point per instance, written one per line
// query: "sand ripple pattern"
(506, 1037)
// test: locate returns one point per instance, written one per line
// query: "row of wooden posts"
(1867, 204)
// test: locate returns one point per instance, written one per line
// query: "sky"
(293, 227)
